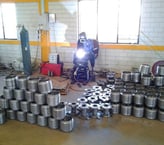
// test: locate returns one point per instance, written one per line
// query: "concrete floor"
(117, 130)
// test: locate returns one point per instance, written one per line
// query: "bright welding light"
(80, 53)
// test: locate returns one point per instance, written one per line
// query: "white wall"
(151, 33)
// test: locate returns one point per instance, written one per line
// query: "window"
(111, 21)
(8, 21)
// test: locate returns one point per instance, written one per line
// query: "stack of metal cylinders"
(34, 100)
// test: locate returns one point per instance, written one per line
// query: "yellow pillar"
(45, 45)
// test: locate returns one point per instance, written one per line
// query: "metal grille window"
(111, 21)
(8, 21)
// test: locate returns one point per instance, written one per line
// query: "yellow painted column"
(45, 45)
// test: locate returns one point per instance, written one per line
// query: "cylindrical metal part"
(138, 99)
(21, 116)
(24, 106)
(150, 101)
(31, 118)
(161, 115)
(106, 109)
(160, 70)
(35, 108)
(82, 100)
(4, 103)
(2, 116)
(19, 94)
(115, 108)
(146, 80)
(159, 80)
(29, 96)
(67, 124)
(126, 98)
(73, 108)
(126, 76)
(10, 81)
(136, 77)
(161, 102)
(40, 99)
(150, 113)
(32, 84)
(8, 93)
(22, 82)
(14, 105)
(11, 114)
(84, 110)
(59, 111)
(53, 98)
(144, 69)
(42, 121)
(53, 123)
(126, 109)
(92, 99)
(45, 86)
(115, 96)
(95, 110)
(138, 111)
(45, 110)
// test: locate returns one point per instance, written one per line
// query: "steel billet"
(42, 121)
(159, 80)
(14, 105)
(4, 103)
(136, 77)
(150, 101)
(32, 84)
(138, 111)
(144, 69)
(59, 111)
(45, 86)
(126, 76)
(29, 96)
(24, 106)
(53, 123)
(150, 113)
(115, 108)
(107, 109)
(40, 99)
(126, 98)
(8, 93)
(67, 124)
(11, 114)
(161, 102)
(2, 116)
(115, 96)
(126, 109)
(160, 70)
(10, 81)
(161, 115)
(21, 116)
(45, 110)
(138, 99)
(31, 118)
(35, 108)
(53, 98)
(22, 82)
(19, 94)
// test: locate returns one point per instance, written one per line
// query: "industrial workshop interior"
(81, 72)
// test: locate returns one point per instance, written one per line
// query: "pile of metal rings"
(139, 94)
(34, 100)
(94, 103)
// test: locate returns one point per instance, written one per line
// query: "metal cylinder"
(146, 80)
(40, 99)
(53, 98)
(32, 84)
(22, 82)
(10, 81)
(160, 70)
(42, 121)
(95, 110)
(138, 99)
(21, 116)
(84, 110)
(115, 96)
(45, 110)
(31, 118)
(29, 96)
(19, 94)
(161, 102)
(45, 86)
(138, 111)
(8, 93)
(144, 69)
(126, 109)
(82, 100)
(73, 108)
(115, 108)
(136, 77)
(126, 98)
(159, 80)
(11, 114)
(59, 111)
(2, 116)
(53, 123)
(126, 76)
(24, 106)
(161, 115)
(150, 101)
(35, 108)
(4, 103)
(92, 99)
(14, 105)
(106, 109)
(150, 113)
(67, 124)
